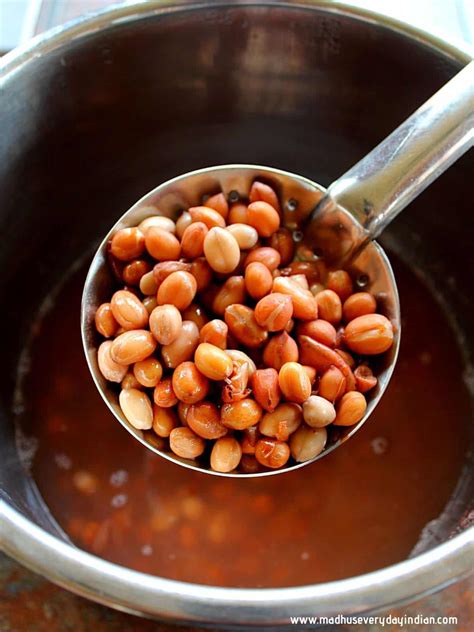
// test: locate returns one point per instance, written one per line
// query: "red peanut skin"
(265, 388)
(321, 357)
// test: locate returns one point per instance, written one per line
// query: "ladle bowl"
(299, 197)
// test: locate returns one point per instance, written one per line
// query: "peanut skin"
(266, 389)
(322, 358)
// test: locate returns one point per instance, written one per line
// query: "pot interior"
(96, 122)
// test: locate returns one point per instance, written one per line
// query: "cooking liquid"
(361, 508)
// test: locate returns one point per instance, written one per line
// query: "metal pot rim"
(132, 591)
(136, 9)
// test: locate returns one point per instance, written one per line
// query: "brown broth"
(361, 508)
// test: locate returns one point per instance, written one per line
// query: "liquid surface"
(360, 508)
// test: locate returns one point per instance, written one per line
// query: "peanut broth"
(361, 508)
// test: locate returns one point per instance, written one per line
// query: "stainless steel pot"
(98, 112)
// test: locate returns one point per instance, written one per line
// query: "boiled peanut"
(306, 443)
(316, 288)
(218, 203)
(130, 381)
(105, 322)
(134, 271)
(294, 382)
(280, 349)
(164, 395)
(165, 324)
(186, 444)
(282, 422)
(226, 454)
(205, 420)
(347, 357)
(310, 372)
(189, 384)
(163, 269)
(159, 221)
(309, 269)
(148, 284)
(369, 334)
(213, 362)
(251, 436)
(305, 306)
(221, 250)
(246, 236)
(148, 372)
(266, 389)
(258, 280)
(128, 310)
(320, 356)
(183, 221)
(127, 244)
(215, 332)
(332, 384)
(320, 330)
(164, 421)
(329, 306)
(241, 415)
(192, 241)
(300, 280)
(239, 358)
(318, 412)
(261, 192)
(183, 410)
(365, 379)
(272, 453)
(283, 242)
(178, 289)
(273, 312)
(235, 387)
(263, 217)
(202, 272)
(150, 303)
(196, 313)
(183, 347)
(132, 346)
(249, 464)
(110, 369)
(233, 291)
(136, 407)
(350, 409)
(238, 214)
(359, 304)
(207, 216)
(339, 281)
(268, 256)
(161, 244)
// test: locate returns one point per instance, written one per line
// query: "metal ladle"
(339, 223)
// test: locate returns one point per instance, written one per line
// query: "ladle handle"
(383, 183)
